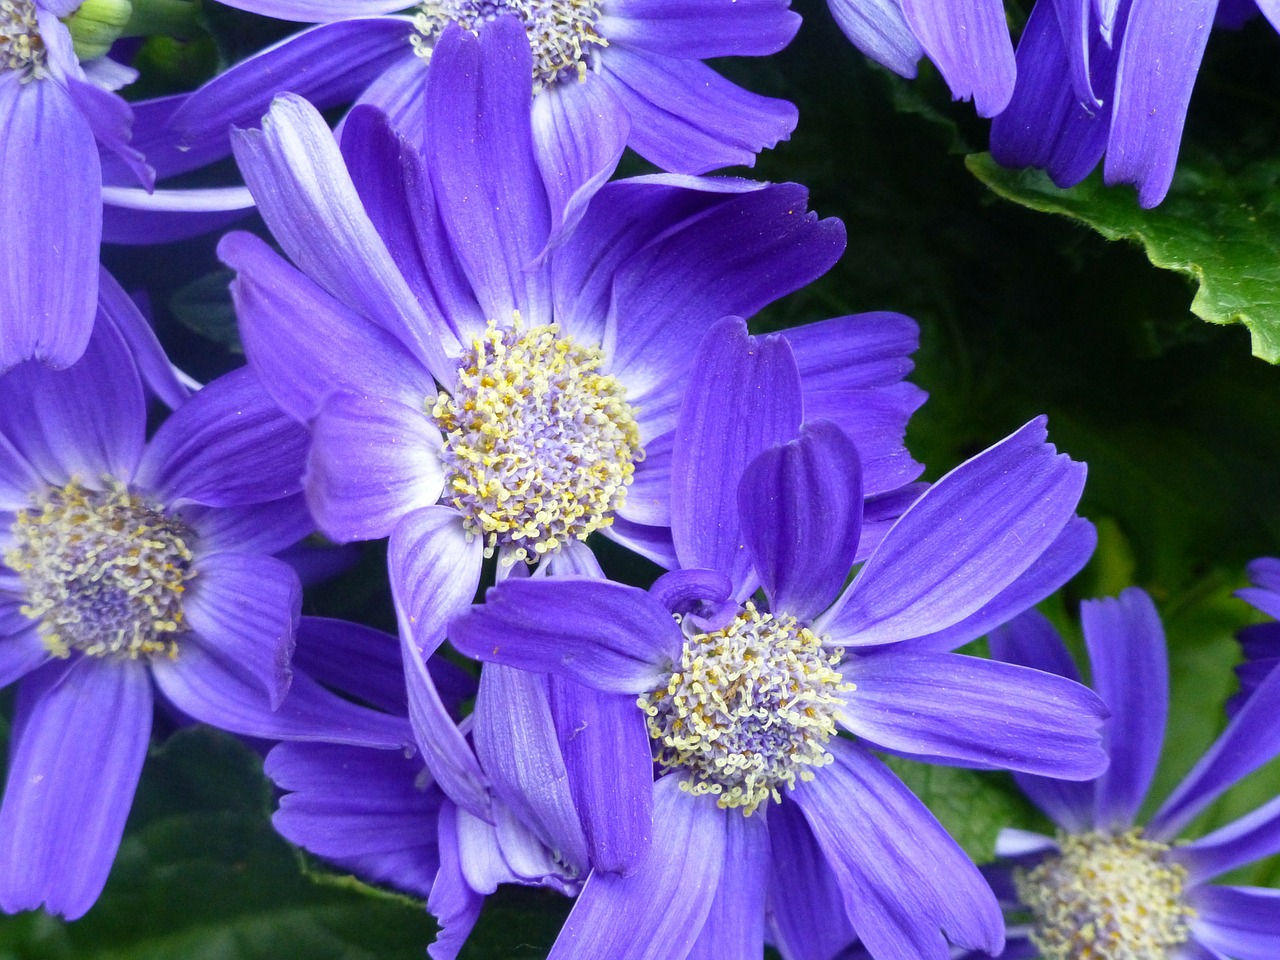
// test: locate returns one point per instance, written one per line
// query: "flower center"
(539, 446)
(562, 33)
(104, 571)
(1107, 897)
(21, 47)
(749, 710)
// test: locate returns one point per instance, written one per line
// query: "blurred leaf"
(202, 876)
(973, 807)
(204, 306)
(1220, 230)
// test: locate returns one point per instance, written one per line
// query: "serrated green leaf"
(201, 875)
(973, 807)
(1221, 230)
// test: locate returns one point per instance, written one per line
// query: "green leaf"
(973, 807)
(201, 875)
(1220, 230)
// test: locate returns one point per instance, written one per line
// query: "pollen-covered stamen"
(562, 33)
(539, 445)
(1106, 897)
(104, 571)
(21, 46)
(749, 709)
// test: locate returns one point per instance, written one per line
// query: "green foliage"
(1222, 231)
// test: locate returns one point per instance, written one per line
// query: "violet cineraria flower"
(132, 563)
(1109, 79)
(1107, 887)
(606, 74)
(760, 808)
(968, 41)
(471, 391)
(396, 827)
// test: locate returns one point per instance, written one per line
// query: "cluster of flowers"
(482, 349)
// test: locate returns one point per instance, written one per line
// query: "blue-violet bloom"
(132, 564)
(1107, 886)
(761, 810)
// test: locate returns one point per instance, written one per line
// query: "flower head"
(1107, 886)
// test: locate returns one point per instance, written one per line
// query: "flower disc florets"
(749, 710)
(1106, 897)
(562, 33)
(21, 46)
(539, 446)
(104, 571)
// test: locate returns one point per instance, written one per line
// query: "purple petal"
(264, 528)
(686, 118)
(86, 421)
(329, 65)
(734, 929)
(684, 591)
(1254, 836)
(876, 422)
(801, 509)
(303, 343)
(318, 11)
(879, 29)
(579, 133)
(20, 482)
(1045, 124)
(735, 259)
(905, 881)
(1251, 739)
(397, 92)
(228, 445)
(957, 547)
(297, 175)
(480, 152)
(434, 565)
(118, 309)
(134, 217)
(247, 609)
(1164, 41)
(881, 512)
(649, 495)
(958, 709)
(1077, 32)
(606, 748)
(700, 31)
(599, 633)
(385, 832)
(859, 351)
(21, 653)
(452, 902)
(1131, 673)
(52, 209)
(1270, 9)
(516, 743)
(746, 398)
(1031, 641)
(372, 462)
(807, 918)
(1241, 922)
(80, 737)
(663, 904)
(111, 120)
(652, 543)
(204, 684)
(970, 44)
(1065, 558)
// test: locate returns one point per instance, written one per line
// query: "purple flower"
(760, 809)
(1261, 641)
(968, 41)
(473, 391)
(1109, 79)
(1130, 890)
(399, 828)
(606, 74)
(131, 563)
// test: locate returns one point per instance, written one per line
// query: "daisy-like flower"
(399, 828)
(1261, 641)
(472, 392)
(606, 74)
(132, 565)
(1112, 79)
(760, 807)
(1111, 888)
(968, 42)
